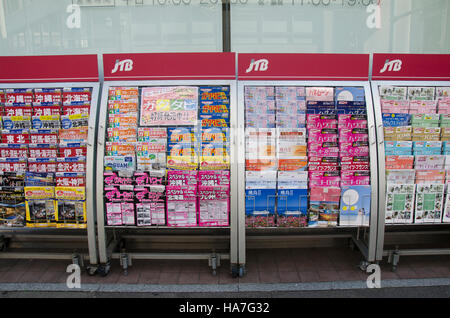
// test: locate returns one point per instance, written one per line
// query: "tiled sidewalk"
(263, 266)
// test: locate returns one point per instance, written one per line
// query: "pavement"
(270, 273)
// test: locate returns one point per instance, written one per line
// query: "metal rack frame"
(76, 257)
(366, 243)
(394, 254)
(113, 247)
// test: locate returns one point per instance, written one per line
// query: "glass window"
(340, 26)
(109, 26)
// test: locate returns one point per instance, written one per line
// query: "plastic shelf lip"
(373, 134)
(380, 134)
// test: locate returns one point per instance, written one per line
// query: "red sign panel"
(169, 66)
(48, 68)
(411, 67)
(349, 67)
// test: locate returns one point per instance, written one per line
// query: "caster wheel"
(235, 271)
(125, 262)
(363, 265)
(241, 271)
(394, 269)
(77, 261)
(214, 273)
(91, 270)
(103, 270)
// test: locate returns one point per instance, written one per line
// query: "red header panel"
(169, 66)
(48, 68)
(411, 67)
(342, 67)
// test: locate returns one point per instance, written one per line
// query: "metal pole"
(373, 224)
(101, 233)
(90, 177)
(226, 26)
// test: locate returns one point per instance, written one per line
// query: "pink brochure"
(214, 178)
(181, 177)
(181, 206)
(214, 206)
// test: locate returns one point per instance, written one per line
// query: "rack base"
(116, 249)
(394, 255)
(126, 258)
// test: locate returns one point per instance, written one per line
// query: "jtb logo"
(124, 65)
(394, 65)
(259, 65)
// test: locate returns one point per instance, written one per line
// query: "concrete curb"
(219, 288)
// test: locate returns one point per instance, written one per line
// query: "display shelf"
(305, 73)
(31, 230)
(176, 158)
(157, 227)
(419, 224)
(409, 86)
(300, 229)
(45, 96)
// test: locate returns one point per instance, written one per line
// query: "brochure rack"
(411, 98)
(166, 181)
(49, 110)
(286, 89)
